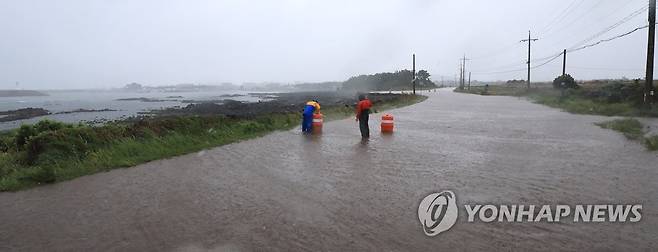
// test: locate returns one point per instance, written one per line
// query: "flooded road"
(288, 192)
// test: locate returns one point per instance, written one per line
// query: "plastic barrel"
(387, 123)
(317, 123)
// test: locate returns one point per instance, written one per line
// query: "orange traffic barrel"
(387, 123)
(317, 123)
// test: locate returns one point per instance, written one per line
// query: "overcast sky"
(98, 44)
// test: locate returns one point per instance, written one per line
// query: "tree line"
(399, 80)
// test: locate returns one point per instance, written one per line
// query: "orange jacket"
(362, 105)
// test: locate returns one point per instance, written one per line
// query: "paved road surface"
(290, 192)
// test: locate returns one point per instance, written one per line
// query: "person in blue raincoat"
(311, 107)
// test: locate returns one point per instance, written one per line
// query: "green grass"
(611, 99)
(651, 142)
(494, 90)
(573, 101)
(57, 152)
(54, 164)
(631, 128)
(579, 105)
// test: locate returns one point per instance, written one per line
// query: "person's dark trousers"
(307, 123)
(363, 123)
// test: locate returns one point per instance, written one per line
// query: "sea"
(71, 100)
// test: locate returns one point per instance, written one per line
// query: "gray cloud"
(86, 43)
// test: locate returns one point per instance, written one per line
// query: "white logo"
(438, 212)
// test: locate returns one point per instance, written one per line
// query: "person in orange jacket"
(363, 114)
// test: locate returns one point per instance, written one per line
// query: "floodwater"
(70, 100)
(289, 192)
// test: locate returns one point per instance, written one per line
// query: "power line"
(593, 44)
(607, 68)
(520, 63)
(568, 10)
(600, 33)
(497, 52)
(548, 57)
(587, 24)
(571, 23)
(561, 16)
(555, 56)
(500, 72)
(609, 28)
(549, 61)
(579, 46)
(609, 39)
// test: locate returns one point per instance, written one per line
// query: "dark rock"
(21, 114)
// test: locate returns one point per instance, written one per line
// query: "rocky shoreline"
(270, 103)
(28, 113)
(20, 93)
(279, 103)
(20, 114)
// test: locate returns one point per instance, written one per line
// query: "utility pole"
(469, 80)
(413, 71)
(463, 83)
(529, 40)
(463, 71)
(649, 89)
(564, 62)
(460, 76)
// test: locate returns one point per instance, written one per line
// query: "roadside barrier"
(387, 123)
(317, 123)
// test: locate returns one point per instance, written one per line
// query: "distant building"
(133, 86)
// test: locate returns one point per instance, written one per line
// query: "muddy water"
(289, 192)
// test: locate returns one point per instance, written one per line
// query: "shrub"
(266, 122)
(5, 143)
(619, 92)
(616, 92)
(47, 125)
(23, 135)
(44, 174)
(565, 81)
(7, 163)
(651, 142)
(60, 144)
(631, 128)
(252, 127)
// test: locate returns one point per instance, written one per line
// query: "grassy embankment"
(609, 99)
(49, 152)
(633, 130)
(615, 98)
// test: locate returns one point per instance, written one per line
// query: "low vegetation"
(651, 142)
(610, 98)
(49, 151)
(632, 129)
(399, 80)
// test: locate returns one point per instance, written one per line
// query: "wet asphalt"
(335, 192)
